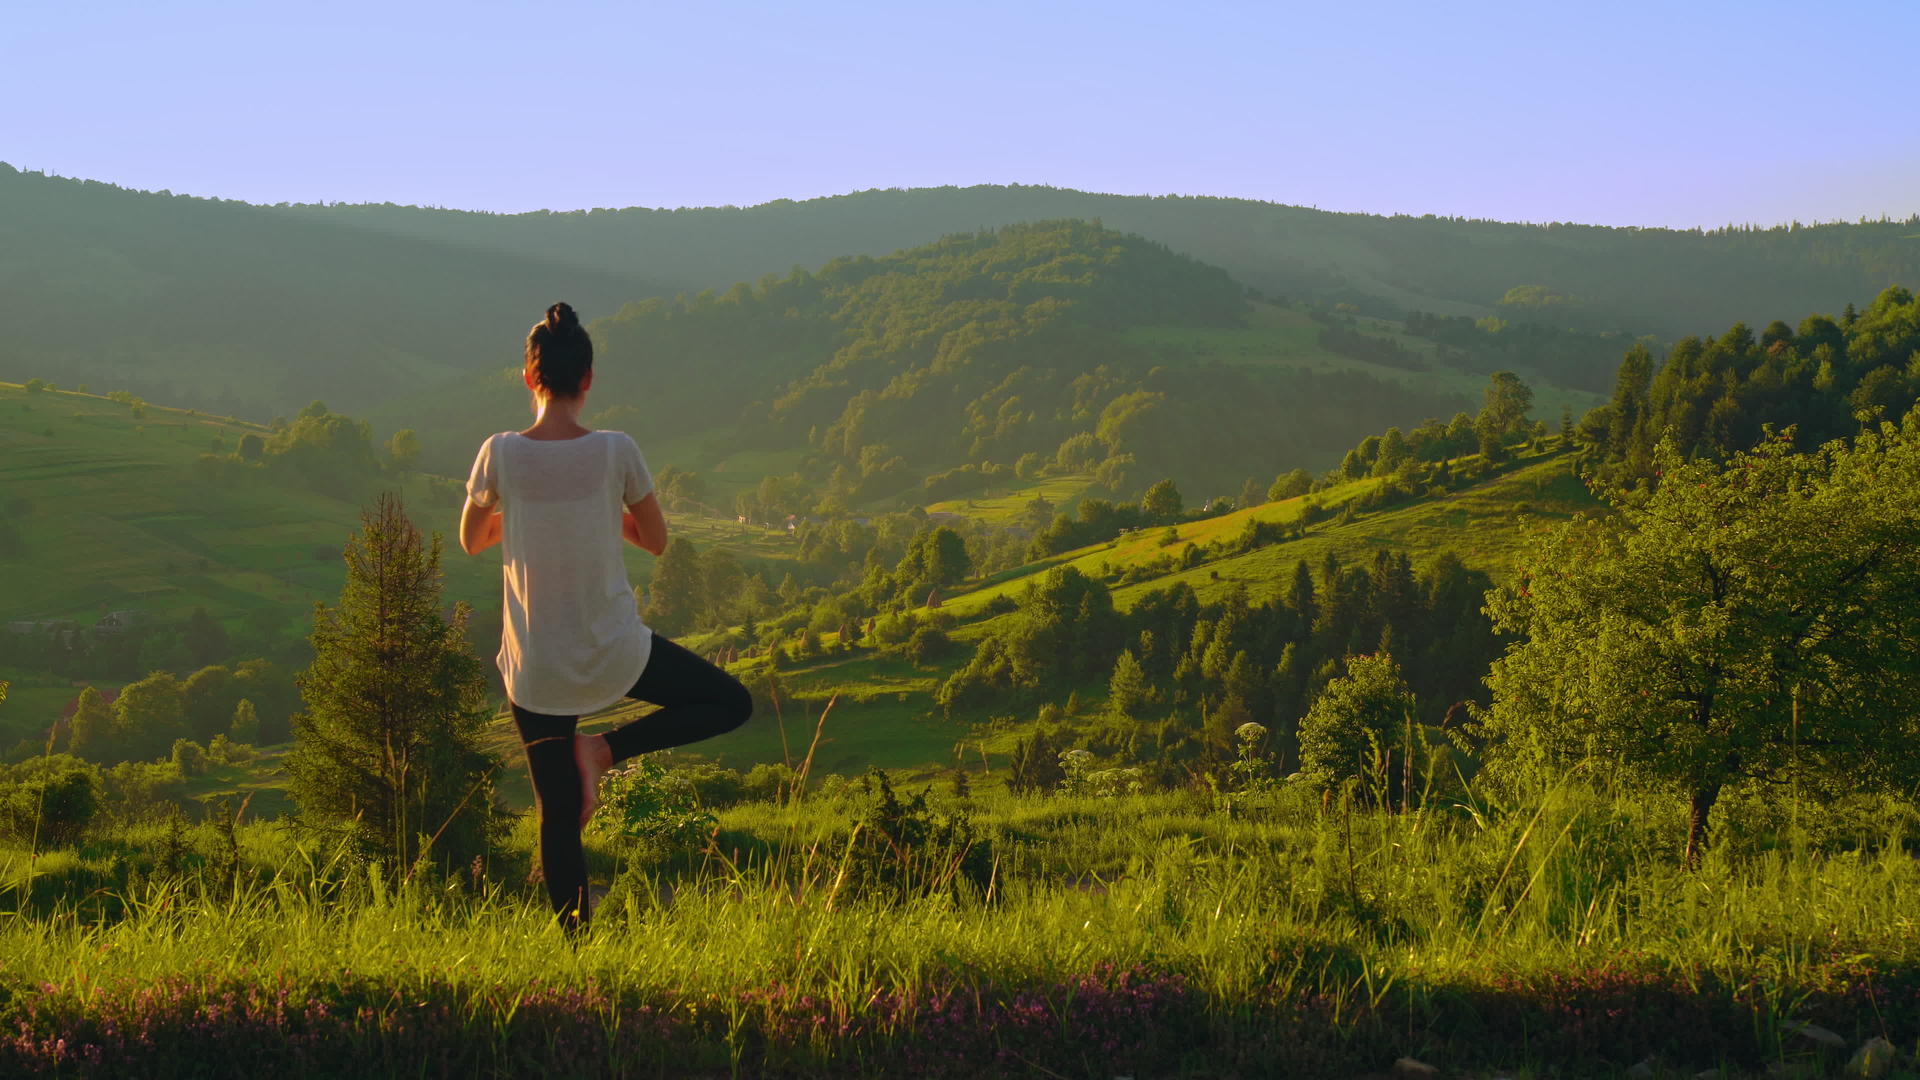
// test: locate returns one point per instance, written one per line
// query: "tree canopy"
(1752, 620)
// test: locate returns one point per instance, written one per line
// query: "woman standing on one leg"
(561, 499)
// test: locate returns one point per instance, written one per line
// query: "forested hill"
(1717, 396)
(253, 310)
(242, 310)
(1661, 281)
(1000, 352)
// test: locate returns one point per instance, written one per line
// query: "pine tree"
(1128, 691)
(388, 748)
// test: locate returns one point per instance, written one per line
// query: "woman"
(561, 498)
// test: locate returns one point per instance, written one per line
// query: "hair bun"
(561, 317)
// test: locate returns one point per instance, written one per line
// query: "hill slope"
(243, 310)
(254, 310)
(1663, 281)
(974, 351)
(884, 711)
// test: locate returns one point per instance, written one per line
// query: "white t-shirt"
(571, 639)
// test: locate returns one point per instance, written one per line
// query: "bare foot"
(594, 757)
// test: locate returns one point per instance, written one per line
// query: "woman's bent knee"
(739, 705)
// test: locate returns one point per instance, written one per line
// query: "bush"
(714, 786)
(1002, 604)
(765, 783)
(145, 790)
(48, 800)
(225, 751)
(643, 801)
(898, 849)
(928, 646)
(893, 628)
(189, 757)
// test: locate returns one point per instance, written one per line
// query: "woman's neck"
(556, 417)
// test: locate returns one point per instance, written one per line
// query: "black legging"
(699, 701)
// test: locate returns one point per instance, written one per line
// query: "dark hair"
(559, 352)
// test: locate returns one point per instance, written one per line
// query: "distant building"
(119, 622)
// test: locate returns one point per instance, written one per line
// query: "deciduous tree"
(1669, 644)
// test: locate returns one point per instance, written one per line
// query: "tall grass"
(1465, 934)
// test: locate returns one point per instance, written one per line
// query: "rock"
(1644, 1070)
(1872, 1060)
(1409, 1069)
(1815, 1033)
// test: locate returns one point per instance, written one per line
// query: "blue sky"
(1675, 113)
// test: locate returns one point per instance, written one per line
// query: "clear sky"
(1684, 112)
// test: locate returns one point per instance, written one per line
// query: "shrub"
(714, 786)
(765, 782)
(48, 800)
(144, 790)
(643, 801)
(189, 757)
(225, 751)
(928, 646)
(893, 628)
(898, 849)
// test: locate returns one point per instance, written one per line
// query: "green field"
(1485, 524)
(1171, 935)
(1001, 508)
(112, 515)
(1283, 338)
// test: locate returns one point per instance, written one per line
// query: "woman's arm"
(479, 527)
(644, 526)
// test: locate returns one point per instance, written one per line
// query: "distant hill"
(1060, 344)
(253, 310)
(244, 310)
(1667, 282)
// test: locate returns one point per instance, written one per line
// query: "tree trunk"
(1698, 808)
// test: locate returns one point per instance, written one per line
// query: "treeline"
(1715, 396)
(1635, 280)
(1181, 676)
(1580, 359)
(319, 449)
(245, 702)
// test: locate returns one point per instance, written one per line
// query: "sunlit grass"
(1384, 925)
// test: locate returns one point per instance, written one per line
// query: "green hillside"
(110, 509)
(883, 711)
(249, 311)
(1638, 280)
(867, 378)
(253, 310)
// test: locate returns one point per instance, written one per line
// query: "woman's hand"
(645, 526)
(479, 527)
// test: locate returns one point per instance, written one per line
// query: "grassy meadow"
(1270, 932)
(1257, 927)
